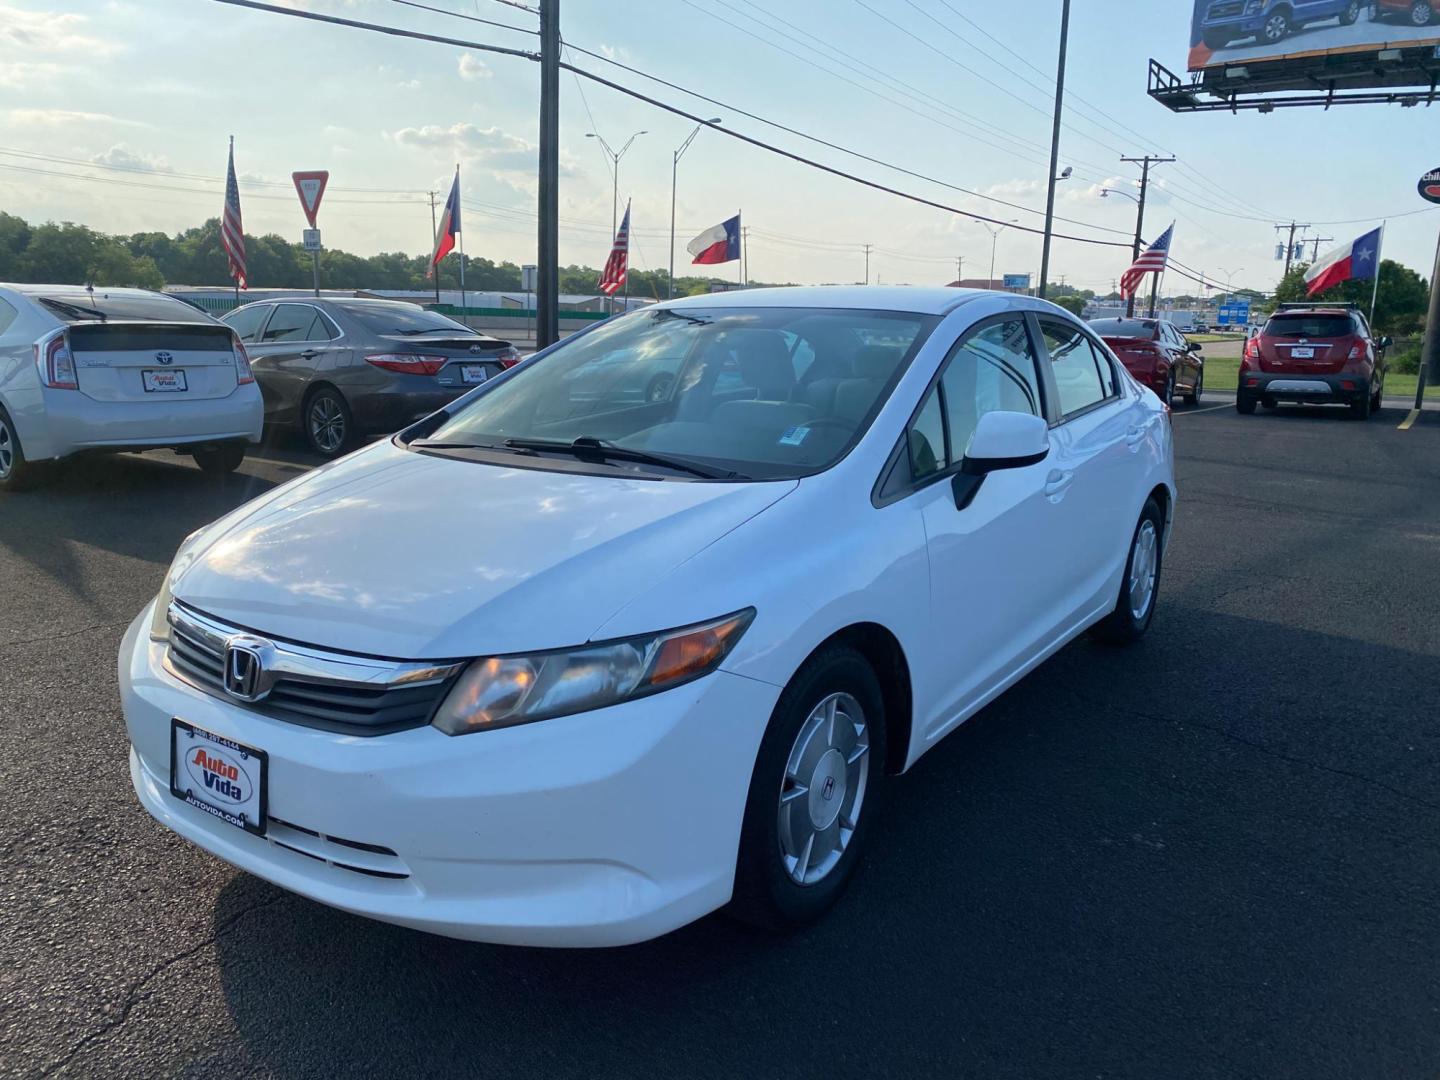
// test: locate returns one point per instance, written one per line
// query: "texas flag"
(718, 244)
(449, 226)
(1358, 261)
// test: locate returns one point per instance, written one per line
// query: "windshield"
(764, 393)
(81, 305)
(401, 319)
(1131, 328)
(1309, 326)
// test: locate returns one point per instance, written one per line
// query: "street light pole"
(614, 157)
(674, 175)
(995, 239)
(1055, 145)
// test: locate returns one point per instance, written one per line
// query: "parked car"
(1413, 12)
(338, 369)
(1269, 21)
(580, 680)
(87, 370)
(1315, 354)
(1157, 355)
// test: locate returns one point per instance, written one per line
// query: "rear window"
(84, 306)
(1131, 328)
(1309, 326)
(401, 319)
(119, 337)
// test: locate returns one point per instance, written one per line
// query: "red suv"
(1158, 355)
(1316, 354)
(1414, 12)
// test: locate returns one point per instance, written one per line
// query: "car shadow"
(1137, 861)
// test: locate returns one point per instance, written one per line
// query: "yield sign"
(311, 188)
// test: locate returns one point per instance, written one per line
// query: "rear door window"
(291, 322)
(247, 321)
(1077, 373)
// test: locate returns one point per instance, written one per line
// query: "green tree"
(1072, 302)
(14, 238)
(1400, 303)
(74, 254)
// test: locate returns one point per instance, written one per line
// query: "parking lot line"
(1409, 421)
(1208, 408)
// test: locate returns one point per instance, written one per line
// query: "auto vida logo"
(163, 357)
(217, 773)
(247, 675)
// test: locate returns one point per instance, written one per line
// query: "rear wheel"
(1244, 403)
(220, 460)
(1276, 28)
(1135, 606)
(814, 792)
(328, 424)
(16, 474)
(1193, 397)
(1351, 13)
(1360, 410)
(1421, 13)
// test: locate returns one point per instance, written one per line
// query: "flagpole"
(626, 304)
(461, 233)
(1375, 289)
(740, 262)
(233, 278)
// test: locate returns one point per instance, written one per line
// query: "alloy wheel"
(1421, 13)
(327, 424)
(1144, 562)
(1276, 27)
(7, 450)
(824, 788)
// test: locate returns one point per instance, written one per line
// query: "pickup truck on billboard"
(1244, 31)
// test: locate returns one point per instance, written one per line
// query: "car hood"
(414, 556)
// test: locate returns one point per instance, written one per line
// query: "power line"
(467, 18)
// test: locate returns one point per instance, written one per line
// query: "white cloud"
(59, 117)
(122, 157)
(39, 32)
(473, 68)
(408, 84)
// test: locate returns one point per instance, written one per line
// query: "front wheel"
(814, 792)
(1360, 410)
(1377, 399)
(1135, 606)
(328, 425)
(1421, 13)
(1276, 28)
(1351, 13)
(220, 460)
(16, 474)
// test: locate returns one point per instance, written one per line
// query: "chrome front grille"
(341, 692)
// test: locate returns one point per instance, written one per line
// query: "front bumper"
(1312, 389)
(73, 423)
(605, 828)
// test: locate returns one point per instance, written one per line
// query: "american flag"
(615, 266)
(232, 233)
(1151, 261)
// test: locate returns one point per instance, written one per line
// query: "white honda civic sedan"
(564, 664)
(100, 369)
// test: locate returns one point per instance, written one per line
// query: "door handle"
(1058, 481)
(1134, 435)
(308, 353)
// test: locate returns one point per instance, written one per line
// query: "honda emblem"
(247, 674)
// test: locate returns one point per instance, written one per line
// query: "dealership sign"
(1231, 32)
(1430, 186)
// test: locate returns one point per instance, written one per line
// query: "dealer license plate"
(473, 374)
(164, 382)
(223, 778)
(1302, 353)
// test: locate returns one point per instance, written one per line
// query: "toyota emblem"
(477, 349)
(164, 357)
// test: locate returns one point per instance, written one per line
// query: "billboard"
(1249, 31)
(1233, 313)
(1016, 281)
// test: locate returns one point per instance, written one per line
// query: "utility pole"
(1144, 163)
(1317, 241)
(1290, 243)
(959, 268)
(1055, 145)
(547, 285)
(433, 228)
(745, 254)
(867, 263)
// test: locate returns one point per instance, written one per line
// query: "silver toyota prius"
(341, 368)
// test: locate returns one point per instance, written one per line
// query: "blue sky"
(152, 88)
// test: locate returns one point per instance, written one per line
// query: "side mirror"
(1193, 346)
(1002, 440)
(1386, 341)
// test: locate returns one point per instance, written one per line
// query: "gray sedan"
(338, 369)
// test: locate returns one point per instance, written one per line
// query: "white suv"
(85, 369)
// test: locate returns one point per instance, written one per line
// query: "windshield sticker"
(794, 436)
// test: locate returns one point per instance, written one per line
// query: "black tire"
(1269, 404)
(327, 422)
(1422, 13)
(1244, 404)
(765, 892)
(1360, 410)
(1377, 399)
(1193, 397)
(1276, 28)
(220, 460)
(16, 474)
(1351, 13)
(1167, 396)
(1122, 625)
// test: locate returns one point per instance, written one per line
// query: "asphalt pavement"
(1212, 854)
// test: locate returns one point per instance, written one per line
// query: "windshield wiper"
(587, 447)
(73, 310)
(433, 444)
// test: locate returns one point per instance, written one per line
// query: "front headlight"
(159, 620)
(501, 691)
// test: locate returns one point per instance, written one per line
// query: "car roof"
(1302, 312)
(914, 299)
(30, 289)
